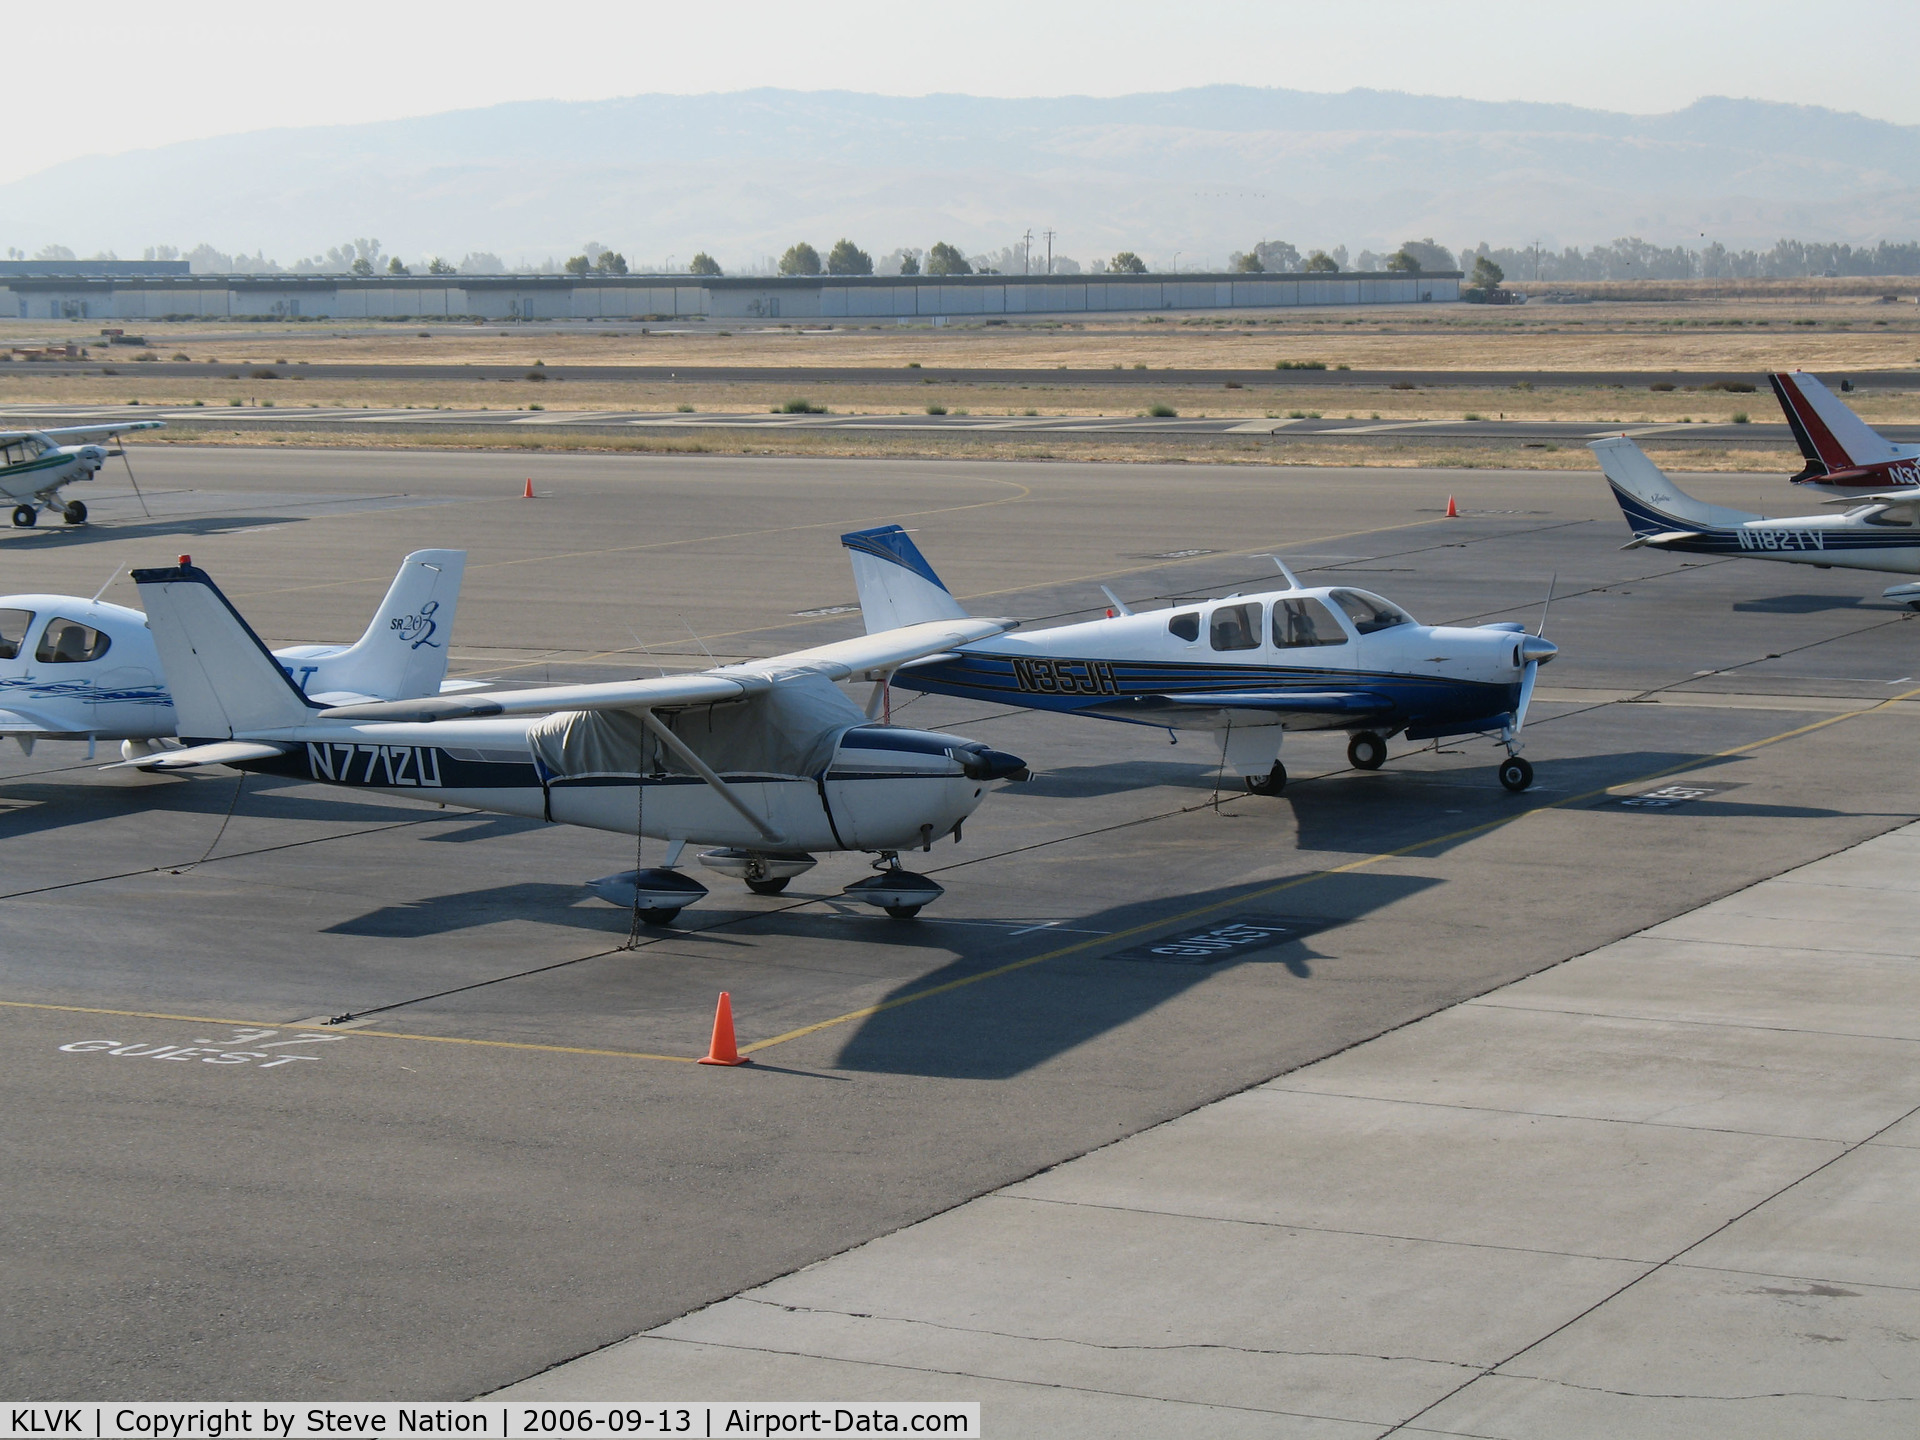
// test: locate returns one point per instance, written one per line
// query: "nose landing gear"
(1516, 774)
(899, 892)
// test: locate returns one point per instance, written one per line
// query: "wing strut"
(700, 767)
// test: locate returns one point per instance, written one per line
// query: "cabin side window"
(1185, 625)
(1298, 623)
(68, 642)
(13, 632)
(1235, 627)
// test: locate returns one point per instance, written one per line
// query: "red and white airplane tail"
(1844, 455)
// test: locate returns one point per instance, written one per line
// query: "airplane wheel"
(76, 512)
(903, 912)
(658, 917)
(24, 516)
(769, 887)
(1516, 774)
(1275, 782)
(1366, 751)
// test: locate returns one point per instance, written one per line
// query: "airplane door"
(1305, 635)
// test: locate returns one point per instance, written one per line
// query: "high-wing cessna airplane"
(1247, 667)
(1877, 532)
(77, 669)
(34, 464)
(768, 760)
(1846, 458)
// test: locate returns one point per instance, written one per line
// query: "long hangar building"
(165, 290)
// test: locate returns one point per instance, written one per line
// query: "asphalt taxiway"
(507, 1158)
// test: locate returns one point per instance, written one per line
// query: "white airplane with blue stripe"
(36, 464)
(1875, 532)
(1248, 668)
(79, 669)
(768, 761)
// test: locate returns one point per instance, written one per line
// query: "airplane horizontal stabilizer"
(221, 752)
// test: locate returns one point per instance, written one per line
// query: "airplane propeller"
(1532, 651)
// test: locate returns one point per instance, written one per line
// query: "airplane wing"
(841, 660)
(1885, 497)
(82, 432)
(12, 722)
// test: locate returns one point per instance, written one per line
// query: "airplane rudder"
(222, 677)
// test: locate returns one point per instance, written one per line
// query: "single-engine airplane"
(1846, 457)
(768, 760)
(78, 669)
(1877, 531)
(35, 464)
(1247, 667)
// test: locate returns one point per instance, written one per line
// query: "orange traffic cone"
(721, 1050)
(1453, 510)
(527, 494)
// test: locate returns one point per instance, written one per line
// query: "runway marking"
(1293, 883)
(357, 1034)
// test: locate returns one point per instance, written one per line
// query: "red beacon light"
(186, 560)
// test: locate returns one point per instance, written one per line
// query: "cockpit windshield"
(1370, 613)
(22, 449)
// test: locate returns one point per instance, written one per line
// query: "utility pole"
(1049, 235)
(1026, 252)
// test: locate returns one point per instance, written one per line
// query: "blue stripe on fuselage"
(1108, 689)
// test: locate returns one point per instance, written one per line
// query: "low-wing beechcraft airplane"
(35, 464)
(1876, 532)
(78, 669)
(1247, 667)
(768, 760)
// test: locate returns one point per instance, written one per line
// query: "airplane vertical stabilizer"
(1651, 502)
(403, 655)
(223, 679)
(1830, 435)
(895, 583)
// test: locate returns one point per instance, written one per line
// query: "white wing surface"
(862, 656)
(84, 432)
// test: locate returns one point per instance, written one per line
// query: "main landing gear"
(1272, 783)
(24, 516)
(765, 872)
(1366, 751)
(75, 512)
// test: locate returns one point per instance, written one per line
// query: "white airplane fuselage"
(886, 788)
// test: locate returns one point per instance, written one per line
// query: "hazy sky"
(131, 75)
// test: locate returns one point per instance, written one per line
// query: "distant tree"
(1404, 262)
(1247, 264)
(1430, 255)
(610, 262)
(578, 265)
(703, 264)
(1127, 263)
(944, 259)
(910, 263)
(1321, 263)
(1486, 275)
(1339, 256)
(394, 267)
(1277, 255)
(438, 266)
(361, 265)
(482, 262)
(800, 259)
(847, 258)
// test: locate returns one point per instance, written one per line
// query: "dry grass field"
(1750, 326)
